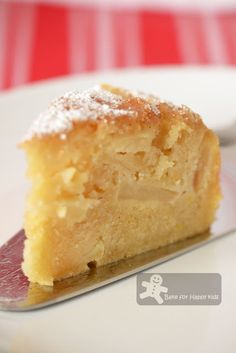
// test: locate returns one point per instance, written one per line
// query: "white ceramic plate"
(109, 319)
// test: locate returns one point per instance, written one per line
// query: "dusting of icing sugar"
(144, 95)
(153, 108)
(154, 101)
(76, 106)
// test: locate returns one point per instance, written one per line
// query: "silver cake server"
(18, 294)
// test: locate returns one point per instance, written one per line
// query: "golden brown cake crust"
(104, 104)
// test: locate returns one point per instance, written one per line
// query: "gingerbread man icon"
(154, 288)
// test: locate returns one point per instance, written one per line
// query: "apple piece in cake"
(114, 173)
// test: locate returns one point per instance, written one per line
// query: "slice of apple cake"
(114, 173)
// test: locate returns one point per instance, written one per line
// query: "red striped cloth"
(42, 41)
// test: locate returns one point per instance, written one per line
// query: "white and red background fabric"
(46, 39)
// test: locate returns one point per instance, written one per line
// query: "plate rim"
(24, 88)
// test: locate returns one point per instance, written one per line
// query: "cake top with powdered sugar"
(92, 104)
